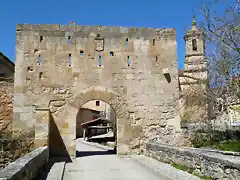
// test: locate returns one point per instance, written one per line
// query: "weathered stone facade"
(133, 70)
(6, 95)
(6, 111)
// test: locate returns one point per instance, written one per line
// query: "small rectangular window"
(153, 42)
(128, 61)
(111, 53)
(41, 38)
(70, 60)
(40, 76)
(97, 103)
(81, 53)
(126, 43)
(156, 59)
(29, 69)
(69, 39)
(99, 60)
(39, 59)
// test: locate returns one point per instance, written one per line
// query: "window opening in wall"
(126, 42)
(156, 58)
(81, 53)
(97, 103)
(99, 60)
(111, 53)
(30, 69)
(41, 38)
(69, 59)
(69, 39)
(153, 42)
(40, 75)
(128, 61)
(194, 45)
(39, 59)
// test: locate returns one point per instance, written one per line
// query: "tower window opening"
(194, 45)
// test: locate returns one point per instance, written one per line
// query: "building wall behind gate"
(55, 63)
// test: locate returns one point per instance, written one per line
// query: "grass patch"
(190, 171)
(231, 145)
(180, 166)
(226, 140)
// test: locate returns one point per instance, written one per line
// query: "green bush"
(224, 140)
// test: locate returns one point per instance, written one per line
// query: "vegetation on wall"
(223, 140)
(190, 171)
(12, 149)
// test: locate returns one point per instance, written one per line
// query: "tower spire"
(194, 27)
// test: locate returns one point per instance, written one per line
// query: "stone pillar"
(42, 127)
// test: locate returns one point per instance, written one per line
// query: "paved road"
(95, 163)
(98, 164)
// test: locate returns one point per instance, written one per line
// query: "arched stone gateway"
(59, 68)
(113, 99)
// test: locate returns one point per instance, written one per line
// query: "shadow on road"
(94, 153)
(42, 175)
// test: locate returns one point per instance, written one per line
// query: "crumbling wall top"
(144, 32)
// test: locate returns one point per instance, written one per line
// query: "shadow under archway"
(57, 146)
(95, 153)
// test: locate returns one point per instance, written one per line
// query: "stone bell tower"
(193, 78)
(194, 58)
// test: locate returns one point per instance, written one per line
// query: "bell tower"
(193, 78)
(195, 63)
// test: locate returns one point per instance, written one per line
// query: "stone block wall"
(216, 164)
(59, 67)
(6, 107)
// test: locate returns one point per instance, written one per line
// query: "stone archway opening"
(96, 127)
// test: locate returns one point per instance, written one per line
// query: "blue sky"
(139, 13)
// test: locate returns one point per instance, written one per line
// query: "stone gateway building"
(60, 68)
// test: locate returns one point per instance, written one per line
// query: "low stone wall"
(215, 164)
(26, 167)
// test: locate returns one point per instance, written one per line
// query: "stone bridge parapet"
(26, 167)
(212, 163)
